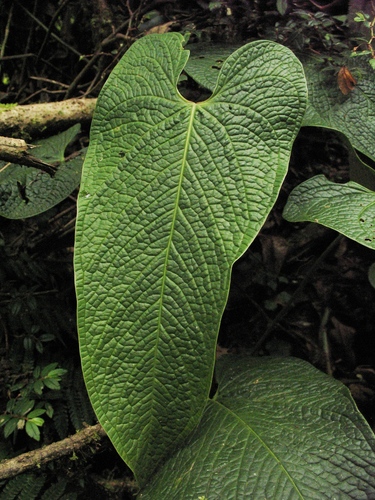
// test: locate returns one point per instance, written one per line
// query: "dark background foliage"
(300, 290)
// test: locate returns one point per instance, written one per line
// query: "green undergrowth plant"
(40, 375)
(173, 192)
(32, 484)
(23, 410)
(365, 47)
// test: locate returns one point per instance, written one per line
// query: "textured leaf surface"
(206, 60)
(352, 114)
(173, 192)
(25, 191)
(278, 429)
(348, 208)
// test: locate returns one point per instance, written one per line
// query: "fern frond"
(32, 488)
(61, 419)
(69, 496)
(82, 400)
(15, 485)
(55, 491)
(4, 450)
(79, 406)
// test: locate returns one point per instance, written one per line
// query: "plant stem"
(296, 294)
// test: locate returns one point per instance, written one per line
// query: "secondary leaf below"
(277, 429)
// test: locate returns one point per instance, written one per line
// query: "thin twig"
(296, 294)
(102, 73)
(98, 53)
(6, 34)
(53, 35)
(51, 25)
(48, 80)
(327, 6)
(17, 151)
(81, 74)
(27, 48)
(16, 56)
(323, 340)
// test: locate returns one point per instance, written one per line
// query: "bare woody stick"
(17, 151)
(32, 459)
(33, 120)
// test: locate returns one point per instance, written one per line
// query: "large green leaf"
(352, 114)
(173, 192)
(25, 191)
(278, 429)
(348, 208)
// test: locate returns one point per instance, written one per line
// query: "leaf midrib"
(263, 444)
(169, 245)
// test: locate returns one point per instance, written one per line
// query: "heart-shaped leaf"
(348, 208)
(351, 114)
(173, 192)
(278, 428)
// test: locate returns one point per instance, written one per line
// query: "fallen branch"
(17, 151)
(33, 459)
(34, 120)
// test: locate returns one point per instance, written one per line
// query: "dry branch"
(32, 459)
(17, 151)
(34, 120)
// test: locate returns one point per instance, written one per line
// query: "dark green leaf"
(32, 430)
(173, 192)
(348, 208)
(25, 191)
(352, 114)
(278, 429)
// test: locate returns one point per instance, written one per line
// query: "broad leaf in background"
(206, 60)
(25, 191)
(352, 114)
(348, 208)
(173, 192)
(278, 428)
(360, 170)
